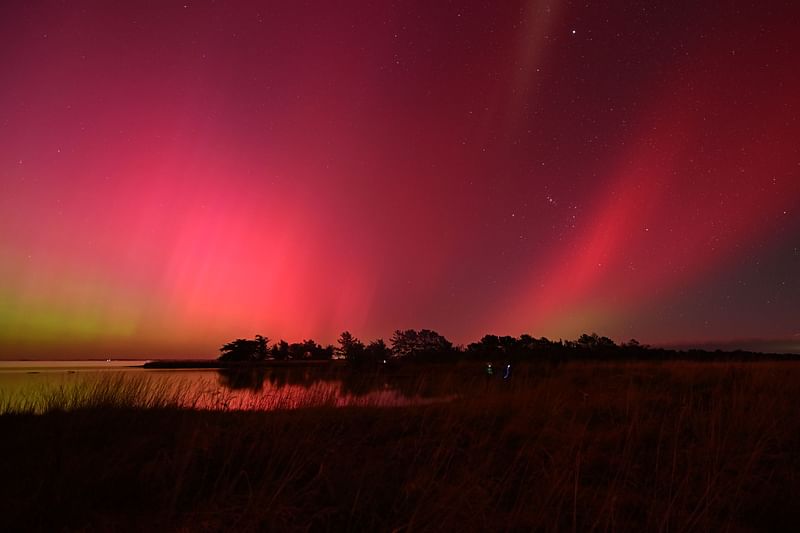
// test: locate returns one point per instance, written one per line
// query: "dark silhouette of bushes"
(429, 346)
(245, 350)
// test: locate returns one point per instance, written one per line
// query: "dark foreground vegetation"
(579, 447)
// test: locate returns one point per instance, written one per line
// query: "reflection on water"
(235, 379)
(261, 388)
(290, 388)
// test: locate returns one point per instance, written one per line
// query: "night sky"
(177, 174)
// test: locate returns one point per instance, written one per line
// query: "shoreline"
(213, 363)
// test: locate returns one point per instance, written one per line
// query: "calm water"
(258, 388)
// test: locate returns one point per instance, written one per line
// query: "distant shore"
(653, 355)
(214, 363)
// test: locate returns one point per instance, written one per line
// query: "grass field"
(672, 446)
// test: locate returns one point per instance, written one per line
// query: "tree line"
(403, 344)
(428, 345)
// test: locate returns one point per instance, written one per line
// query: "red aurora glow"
(176, 175)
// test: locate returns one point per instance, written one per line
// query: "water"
(263, 388)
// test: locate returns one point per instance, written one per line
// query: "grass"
(670, 446)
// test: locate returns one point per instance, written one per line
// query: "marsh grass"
(583, 447)
(114, 391)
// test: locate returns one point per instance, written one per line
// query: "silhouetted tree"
(412, 343)
(261, 347)
(326, 352)
(350, 348)
(488, 347)
(308, 349)
(297, 350)
(377, 351)
(280, 351)
(403, 342)
(312, 350)
(527, 342)
(245, 349)
(595, 342)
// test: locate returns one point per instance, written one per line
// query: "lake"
(262, 388)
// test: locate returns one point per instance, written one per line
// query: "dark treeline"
(429, 346)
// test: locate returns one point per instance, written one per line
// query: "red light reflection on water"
(324, 393)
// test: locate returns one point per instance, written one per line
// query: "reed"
(583, 447)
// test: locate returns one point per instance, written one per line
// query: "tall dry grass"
(583, 447)
(111, 391)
